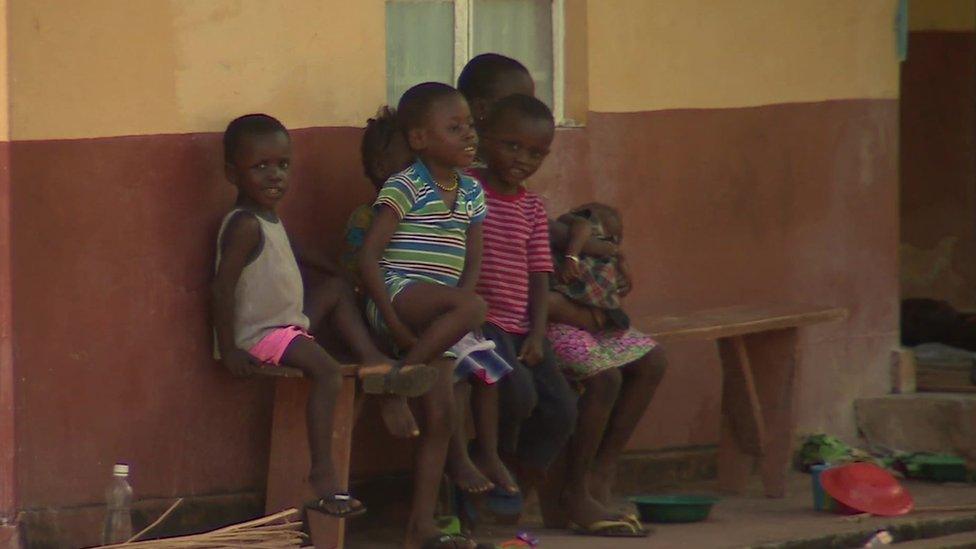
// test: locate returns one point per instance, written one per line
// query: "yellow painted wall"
(90, 68)
(4, 99)
(662, 54)
(942, 15)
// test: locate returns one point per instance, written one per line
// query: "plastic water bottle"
(118, 499)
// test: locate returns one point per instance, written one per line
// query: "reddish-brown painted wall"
(113, 248)
(938, 167)
(8, 498)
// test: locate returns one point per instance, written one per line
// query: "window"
(431, 40)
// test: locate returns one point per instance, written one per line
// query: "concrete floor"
(749, 521)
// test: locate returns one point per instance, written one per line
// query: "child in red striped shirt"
(537, 406)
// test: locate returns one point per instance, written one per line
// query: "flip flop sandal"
(340, 500)
(636, 523)
(506, 507)
(523, 539)
(611, 529)
(411, 383)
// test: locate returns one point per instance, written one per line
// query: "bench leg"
(774, 358)
(289, 461)
(742, 435)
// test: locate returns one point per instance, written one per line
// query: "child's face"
(447, 137)
(515, 147)
(509, 83)
(260, 168)
(613, 228)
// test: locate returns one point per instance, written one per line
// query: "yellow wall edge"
(661, 54)
(92, 68)
(4, 72)
(942, 15)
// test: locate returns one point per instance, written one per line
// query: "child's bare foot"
(467, 477)
(380, 368)
(582, 509)
(496, 472)
(397, 417)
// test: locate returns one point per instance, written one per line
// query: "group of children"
(458, 290)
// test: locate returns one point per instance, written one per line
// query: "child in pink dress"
(617, 367)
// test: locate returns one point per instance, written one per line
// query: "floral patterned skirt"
(582, 354)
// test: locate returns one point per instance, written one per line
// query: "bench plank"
(737, 320)
(348, 370)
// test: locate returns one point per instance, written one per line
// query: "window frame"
(463, 33)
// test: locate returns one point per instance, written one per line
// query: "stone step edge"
(902, 531)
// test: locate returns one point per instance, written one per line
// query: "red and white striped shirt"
(516, 243)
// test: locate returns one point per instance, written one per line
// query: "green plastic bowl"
(672, 509)
(942, 468)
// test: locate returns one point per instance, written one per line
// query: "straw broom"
(278, 531)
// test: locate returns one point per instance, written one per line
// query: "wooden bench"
(757, 348)
(289, 460)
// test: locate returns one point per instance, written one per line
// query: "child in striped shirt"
(419, 263)
(536, 403)
(384, 153)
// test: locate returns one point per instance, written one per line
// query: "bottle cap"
(120, 470)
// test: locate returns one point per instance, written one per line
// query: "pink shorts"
(273, 345)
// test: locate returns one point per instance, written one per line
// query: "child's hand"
(240, 362)
(403, 336)
(532, 353)
(570, 270)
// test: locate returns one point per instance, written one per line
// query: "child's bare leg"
(324, 373)
(465, 474)
(439, 315)
(597, 401)
(333, 304)
(484, 405)
(438, 426)
(564, 311)
(640, 381)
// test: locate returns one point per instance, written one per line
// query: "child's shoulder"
(409, 177)
(240, 227)
(239, 217)
(533, 199)
(470, 182)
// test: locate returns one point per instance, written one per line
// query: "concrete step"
(920, 422)
(964, 539)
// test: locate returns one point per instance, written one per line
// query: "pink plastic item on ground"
(867, 488)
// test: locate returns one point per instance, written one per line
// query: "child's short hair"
(415, 103)
(604, 214)
(481, 75)
(249, 124)
(379, 132)
(521, 105)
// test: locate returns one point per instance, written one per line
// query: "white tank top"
(269, 293)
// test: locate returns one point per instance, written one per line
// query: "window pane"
(419, 45)
(521, 29)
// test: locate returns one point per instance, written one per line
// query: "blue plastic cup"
(821, 499)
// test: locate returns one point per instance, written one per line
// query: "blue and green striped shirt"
(429, 242)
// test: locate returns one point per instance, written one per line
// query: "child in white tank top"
(262, 315)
